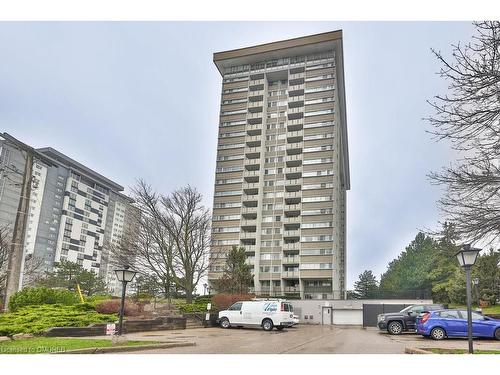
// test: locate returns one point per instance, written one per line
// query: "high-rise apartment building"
(73, 210)
(283, 167)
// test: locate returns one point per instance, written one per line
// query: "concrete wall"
(347, 312)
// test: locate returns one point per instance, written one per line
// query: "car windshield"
(406, 309)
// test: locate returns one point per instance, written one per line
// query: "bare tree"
(469, 117)
(172, 238)
(5, 239)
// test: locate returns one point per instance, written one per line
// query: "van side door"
(235, 313)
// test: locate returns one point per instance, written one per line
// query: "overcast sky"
(141, 100)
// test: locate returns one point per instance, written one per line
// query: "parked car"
(405, 320)
(264, 313)
(453, 323)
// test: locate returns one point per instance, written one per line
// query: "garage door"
(348, 317)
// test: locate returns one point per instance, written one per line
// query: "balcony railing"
(295, 136)
(291, 246)
(290, 274)
(291, 260)
(252, 152)
(294, 148)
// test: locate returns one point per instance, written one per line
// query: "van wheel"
(267, 324)
(395, 328)
(224, 323)
(280, 328)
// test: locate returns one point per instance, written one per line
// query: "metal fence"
(306, 293)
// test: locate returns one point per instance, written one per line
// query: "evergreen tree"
(408, 274)
(366, 286)
(237, 276)
(68, 274)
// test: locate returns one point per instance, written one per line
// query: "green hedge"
(42, 296)
(37, 319)
(193, 307)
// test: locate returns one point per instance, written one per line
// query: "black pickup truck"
(405, 320)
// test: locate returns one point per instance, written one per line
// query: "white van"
(263, 313)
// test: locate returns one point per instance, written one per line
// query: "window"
(319, 148)
(318, 136)
(318, 161)
(228, 169)
(327, 172)
(452, 314)
(316, 238)
(233, 134)
(316, 266)
(475, 315)
(317, 199)
(316, 252)
(236, 306)
(231, 157)
(322, 211)
(225, 193)
(324, 185)
(229, 146)
(317, 225)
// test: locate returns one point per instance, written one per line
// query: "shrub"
(223, 301)
(37, 319)
(194, 307)
(112, 306)
(42, 296)
(203, 299)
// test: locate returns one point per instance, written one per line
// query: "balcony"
(296, 101)
(296, 136)
(293, 185)
(292, 209)
(250, 188)
(250, 248)
(252, 152)
(251, 176)
(250, 200)
(252, 164)
(295, 246)
(249, 213)
(294, 148)
(248, 235)
(255, 129)
(249, 224)
(296, 113)
(292, 289)
(256, 84)
(254, 118)
(293, 160)
(290, 274)
(256, 95)
(293, 197)
(293, 173)
(296, 90)
(296, 76)
(250, 261)
(294, 125)
(293, 234)
(291, 223)
(291, 259)
(253, 141)
(255, 106)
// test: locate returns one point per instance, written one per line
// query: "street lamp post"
(467, 258)
(124, 275)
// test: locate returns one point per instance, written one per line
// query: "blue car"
(453, 323)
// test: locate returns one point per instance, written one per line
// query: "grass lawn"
(57, 344)
(459, 351)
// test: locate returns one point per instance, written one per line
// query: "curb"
(410, 350)
(118, 349)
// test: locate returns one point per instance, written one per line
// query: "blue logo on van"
(270, 307)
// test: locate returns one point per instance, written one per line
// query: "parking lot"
(302, 339)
